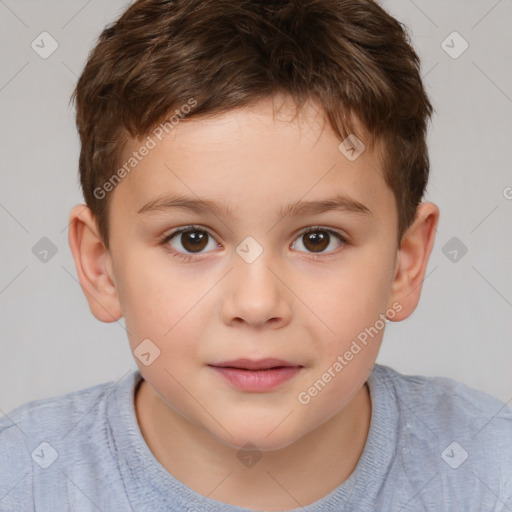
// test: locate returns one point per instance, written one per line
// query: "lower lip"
(258, 380)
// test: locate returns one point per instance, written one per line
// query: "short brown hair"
(349, 56)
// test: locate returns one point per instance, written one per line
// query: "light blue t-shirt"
(433, 445)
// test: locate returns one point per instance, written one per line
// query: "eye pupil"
(194, 241)
(318, 239)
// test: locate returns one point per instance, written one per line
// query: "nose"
(256, 294)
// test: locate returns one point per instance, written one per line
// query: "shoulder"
(445, 401)
(456, 438)
(52, 415)
(36, 435)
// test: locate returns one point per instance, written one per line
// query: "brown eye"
(318, 240)
(194, 241)
(187, 241)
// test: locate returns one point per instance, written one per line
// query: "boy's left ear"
(412, 260)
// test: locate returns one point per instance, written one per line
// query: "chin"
(258, 437)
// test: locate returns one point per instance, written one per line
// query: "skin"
(290, 303)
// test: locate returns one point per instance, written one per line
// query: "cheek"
(159, 301)
(351, 305)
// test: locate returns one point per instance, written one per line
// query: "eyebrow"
(299, 208)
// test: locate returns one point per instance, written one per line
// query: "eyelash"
(189, 257)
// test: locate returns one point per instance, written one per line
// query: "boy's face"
(249, 283)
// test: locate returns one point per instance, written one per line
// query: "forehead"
(254, 158)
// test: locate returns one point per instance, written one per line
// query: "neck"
(292, 477)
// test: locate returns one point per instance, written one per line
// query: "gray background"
(51, 344)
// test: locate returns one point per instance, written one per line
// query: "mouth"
(255, 365)
(256, 375)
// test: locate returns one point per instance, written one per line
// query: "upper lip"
(255, 364)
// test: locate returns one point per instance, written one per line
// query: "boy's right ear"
(93, 265)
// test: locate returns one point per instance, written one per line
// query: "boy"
(253, 175)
